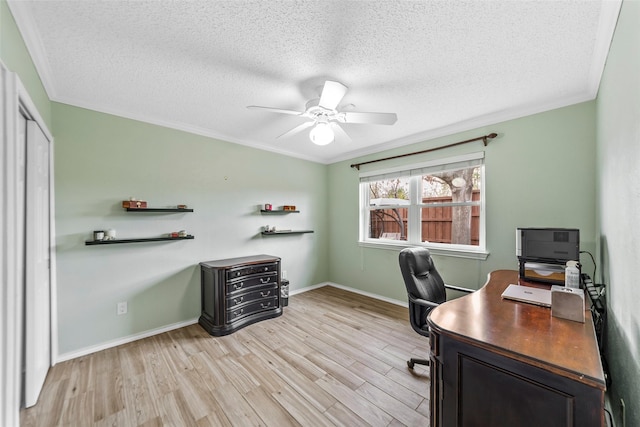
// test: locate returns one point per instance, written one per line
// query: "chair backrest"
(420, 275)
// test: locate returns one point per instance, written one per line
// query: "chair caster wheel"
(410, 364)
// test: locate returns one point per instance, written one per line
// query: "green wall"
(618, 186)
(101, 160)
(539, 173)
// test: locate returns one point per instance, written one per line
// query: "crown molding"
(180, 126)
(604, 37)
(466, 125)
(27, 28)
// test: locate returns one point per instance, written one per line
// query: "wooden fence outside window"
(436, 222)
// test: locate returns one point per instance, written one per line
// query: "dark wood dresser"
(237, 292)
(498, 362)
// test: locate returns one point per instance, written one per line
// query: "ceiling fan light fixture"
(321, 134)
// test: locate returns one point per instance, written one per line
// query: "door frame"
(14, 98)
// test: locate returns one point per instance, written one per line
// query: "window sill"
(451, 252)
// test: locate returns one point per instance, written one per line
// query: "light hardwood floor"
(333, 358)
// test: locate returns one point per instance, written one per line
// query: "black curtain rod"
(485, 139)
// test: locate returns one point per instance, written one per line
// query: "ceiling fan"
(324, 118)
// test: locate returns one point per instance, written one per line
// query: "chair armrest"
(422, 302)
(458, 288)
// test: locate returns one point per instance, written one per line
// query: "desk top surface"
(522, 331)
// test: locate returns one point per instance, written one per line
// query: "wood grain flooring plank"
(391, 387)
(214, 419)
(301, 409)
(207, 368)
(242, 379)
(119, 419)
(337, 371)
(340, 415)
(173, 410)
(269, 410)
(351, 399)
(415, 381)
(358, 354)
(173, 352)
(424, 408)
(392, 406)
(235, 407)
(131, 359)
(300, 363)
(138, 398)
(197, 395)
(159, 375)
(77, 409)
(307, 389)
(154, 422)
(109, 395)
(263, 371)
(81, 377)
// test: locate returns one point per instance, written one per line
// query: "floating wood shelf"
(158, 210)
(271, 233)
(277, 211)
(151, 239)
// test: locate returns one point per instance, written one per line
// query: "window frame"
(414, 173)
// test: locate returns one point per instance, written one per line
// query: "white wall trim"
(27, 27)
(370, 295)
(15, 96)
(10, 296)
(354, 290)
(125, 340)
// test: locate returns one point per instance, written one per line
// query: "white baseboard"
(354, 290)
(114, 343)
(88, 350)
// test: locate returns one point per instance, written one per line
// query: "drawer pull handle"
(238, 285)
(263, 305)
(265, 294)
(238, 312)
(264, 280)
(238, 300)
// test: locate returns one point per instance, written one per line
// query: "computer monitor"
(556, 245)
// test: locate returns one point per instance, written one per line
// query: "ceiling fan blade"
(296, 129)
(339, 132)
(332, 94)
(274, 110)
(369, 118)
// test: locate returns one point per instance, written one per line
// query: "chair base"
(413, 361)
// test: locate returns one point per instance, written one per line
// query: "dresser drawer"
(262, 304)
(267, 291)
(249, 270)
(244, 283)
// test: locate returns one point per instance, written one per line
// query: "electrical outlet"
(122, 308)
(284, 274)
(622, 411)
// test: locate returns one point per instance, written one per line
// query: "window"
(438, 204)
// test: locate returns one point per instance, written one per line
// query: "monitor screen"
(548, 244)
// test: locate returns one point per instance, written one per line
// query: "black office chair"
(425, 289)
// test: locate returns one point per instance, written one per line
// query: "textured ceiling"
(441, 66)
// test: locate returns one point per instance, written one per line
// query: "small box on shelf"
(134, 204)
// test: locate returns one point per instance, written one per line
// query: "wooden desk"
(498, 362)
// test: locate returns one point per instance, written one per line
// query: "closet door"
(37, 262)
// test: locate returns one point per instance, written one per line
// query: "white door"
(37, 265)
